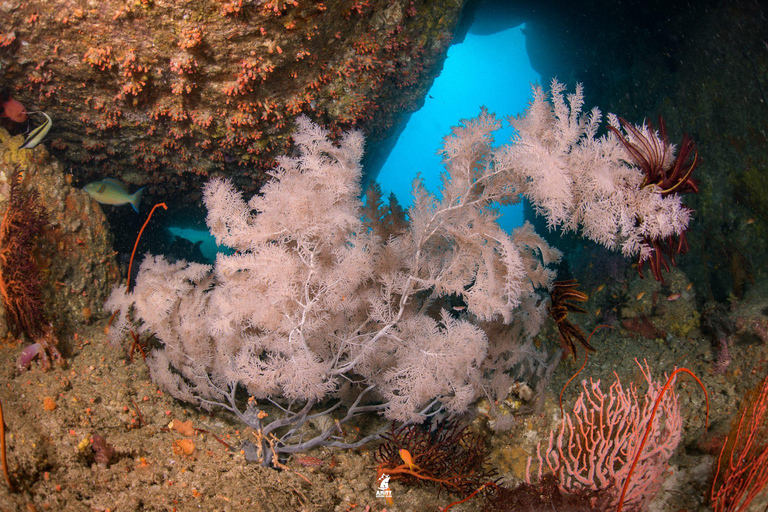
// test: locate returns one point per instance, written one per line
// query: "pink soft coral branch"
(597, 442)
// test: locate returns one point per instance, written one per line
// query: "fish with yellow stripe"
(114, 192)
(36, 136)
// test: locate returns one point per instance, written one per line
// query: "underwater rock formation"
(703, 66)
(23, 221)
(74, 251)
(146, 89)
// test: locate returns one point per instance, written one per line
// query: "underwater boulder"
(74, 251)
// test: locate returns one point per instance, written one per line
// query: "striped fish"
(36, 136)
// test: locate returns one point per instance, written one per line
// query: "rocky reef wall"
(74, 252)
(703, 66)
(158, 92)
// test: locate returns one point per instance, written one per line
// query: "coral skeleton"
(329, 306)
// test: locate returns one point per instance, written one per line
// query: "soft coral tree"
(313, 304)
(317, 312)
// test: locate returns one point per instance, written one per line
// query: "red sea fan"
(597, 444)
(742, 467)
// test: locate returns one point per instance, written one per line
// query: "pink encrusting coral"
(596, 443)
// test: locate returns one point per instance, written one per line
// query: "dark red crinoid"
(651, 153)
(562, 302)
(663, 250)
(443, 453)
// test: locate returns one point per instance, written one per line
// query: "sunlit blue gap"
(208, 246)
(484, 70)
(491, 70)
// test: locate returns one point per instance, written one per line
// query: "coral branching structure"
(168, 88)
(741, 472)
(20, 283)
(669, 173)
(330, 307)
(442, 453)
(603, 440)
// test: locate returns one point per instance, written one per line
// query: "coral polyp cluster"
(167, 88)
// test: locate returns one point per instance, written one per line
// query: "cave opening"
(488, 67)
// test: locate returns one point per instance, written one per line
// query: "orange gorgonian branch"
(136, 244)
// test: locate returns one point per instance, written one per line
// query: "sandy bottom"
(52, 417)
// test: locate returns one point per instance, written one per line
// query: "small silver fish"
(36, 136)
(112, 191)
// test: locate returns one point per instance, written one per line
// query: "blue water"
(491, 70)
(208, 246)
